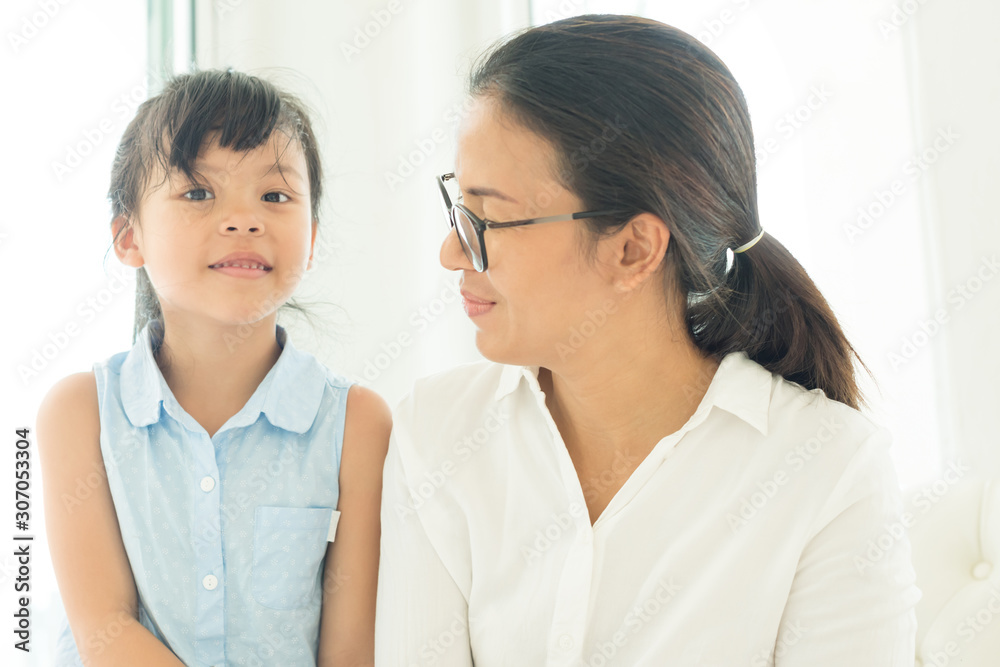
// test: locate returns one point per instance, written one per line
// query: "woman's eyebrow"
(489, 192)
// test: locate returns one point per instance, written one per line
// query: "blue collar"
(289, 395)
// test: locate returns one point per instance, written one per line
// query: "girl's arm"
(88, 556)
(347, 626)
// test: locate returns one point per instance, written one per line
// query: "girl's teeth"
(244, 266)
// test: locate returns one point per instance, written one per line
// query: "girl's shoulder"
(68, 414)
(73, 392)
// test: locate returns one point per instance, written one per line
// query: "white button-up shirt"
(765, 531)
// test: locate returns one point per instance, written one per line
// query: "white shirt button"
(210, 582)
(207, 484)
(566, 642)
(982, 570)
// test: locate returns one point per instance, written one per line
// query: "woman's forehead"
(494, 151)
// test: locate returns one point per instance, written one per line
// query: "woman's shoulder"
(447, 406)
(466, 385)
(794, 407)
(834, 445)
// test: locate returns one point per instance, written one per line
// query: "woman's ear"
(126, 248)
(640, 247)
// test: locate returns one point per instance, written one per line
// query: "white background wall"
(378, 282)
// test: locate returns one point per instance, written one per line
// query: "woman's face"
(540, 298)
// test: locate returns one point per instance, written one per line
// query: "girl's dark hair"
(644, 118)
(170, 128)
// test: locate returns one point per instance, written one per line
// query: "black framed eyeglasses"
(470, 227)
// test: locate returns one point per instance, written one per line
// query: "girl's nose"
(240, 218)
(452, 254)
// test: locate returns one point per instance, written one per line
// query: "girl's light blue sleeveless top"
(226, 536)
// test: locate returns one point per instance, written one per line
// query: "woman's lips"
(475, 306)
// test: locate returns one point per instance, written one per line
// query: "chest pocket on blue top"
(288, 548)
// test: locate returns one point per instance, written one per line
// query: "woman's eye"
(275, 197)
(199, 194)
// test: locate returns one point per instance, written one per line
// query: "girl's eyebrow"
(283, 169)
(199, 167)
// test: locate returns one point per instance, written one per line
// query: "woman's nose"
(452, 254)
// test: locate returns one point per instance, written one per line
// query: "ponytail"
(147, 304)
(770, 308)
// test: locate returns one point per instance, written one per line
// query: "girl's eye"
(199, 194)
(275, 197)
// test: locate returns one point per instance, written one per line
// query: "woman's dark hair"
(644, 118)
(170, 129)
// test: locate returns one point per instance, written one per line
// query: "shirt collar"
(289, 395)
(740, 386)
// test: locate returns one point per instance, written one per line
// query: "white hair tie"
(747, 246)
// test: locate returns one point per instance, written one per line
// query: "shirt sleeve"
(852, 599)
(421, 613)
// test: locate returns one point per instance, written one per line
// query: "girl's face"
(233, 247)
(539, 288)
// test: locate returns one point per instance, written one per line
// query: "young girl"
(229, 455)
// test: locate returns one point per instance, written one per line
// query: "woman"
(663, 461)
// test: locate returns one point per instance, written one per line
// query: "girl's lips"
(242, 265)
(240, 272)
